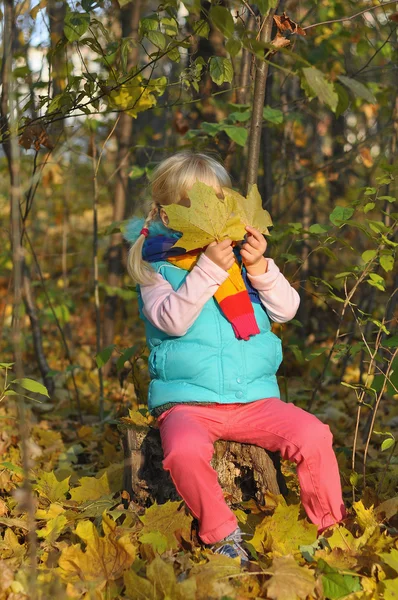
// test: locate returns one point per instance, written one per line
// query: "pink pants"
(188, 433)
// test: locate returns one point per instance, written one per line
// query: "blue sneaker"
(233, 549)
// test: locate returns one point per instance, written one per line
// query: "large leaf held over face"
(206, 220)
(250, 209)
(210, 219)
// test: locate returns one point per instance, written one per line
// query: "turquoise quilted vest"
(208, 363)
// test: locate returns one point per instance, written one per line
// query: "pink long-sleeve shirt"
(175, 311)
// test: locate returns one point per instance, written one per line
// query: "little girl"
(213, 358)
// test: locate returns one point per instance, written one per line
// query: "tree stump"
(244, 470)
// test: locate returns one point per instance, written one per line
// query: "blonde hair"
(171, 181)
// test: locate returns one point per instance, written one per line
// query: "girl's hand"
(221, 253)
(252, 252)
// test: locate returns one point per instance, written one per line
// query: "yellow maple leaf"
(250, 209)
(206, 220)
(91, 488)
(104, 559)
(53, 529)
(282, 532)
(49, 486)
(289, 581)
(365, 517)
(167, 520)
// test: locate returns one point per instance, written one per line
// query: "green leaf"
(336, 585)
(241, 117)
(76, 25)
(369, 206)
(233, 46)
(221, 70)
(237, 134)
(265, 5)
(321, 87)
(370, 191)
(391, 342)
(316, 228)
(136, 172)
(211, 128)
(387, 262)
(358, 89)
(388, 198)
(368, 255)
(32, 385)
(103, 357)
(157, 38)
(273, 115)
(11, 467)
(127, 354)
(387, 444)
(341, 214)
(201, 28)
(344, 100)
(222, 19)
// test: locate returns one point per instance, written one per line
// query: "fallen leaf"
(53, 529)
(156, 540)
(167, 520)
(391, 559)
(91, 488)
(389, 508)
(206, 220)
(390, 589)
(365, 517)
(337, 585)
(104, 559)
(289, 581)
(49, 486)
(283, 532)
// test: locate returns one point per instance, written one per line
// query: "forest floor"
(90, 546)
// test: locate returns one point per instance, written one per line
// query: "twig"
(352, 16)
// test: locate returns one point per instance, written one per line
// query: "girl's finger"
(255, 233)
(253, 241)
(250, 249)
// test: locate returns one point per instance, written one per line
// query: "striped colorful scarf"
(234, 296)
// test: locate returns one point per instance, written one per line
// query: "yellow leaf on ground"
(167, 520)
(104, 559)
(139, 588)
(342, 538)
(160, 584)
(49, 486)
(207, 219)
(156, 540)
(250, 209)
(389, 508)
(91, 488)
(289, 581)
(390, 589)
(282, 532)
(10, 546)
(365, 517)
(53, 529)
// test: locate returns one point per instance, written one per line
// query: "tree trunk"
(129, 16)
(258, 102)
(244, 471)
